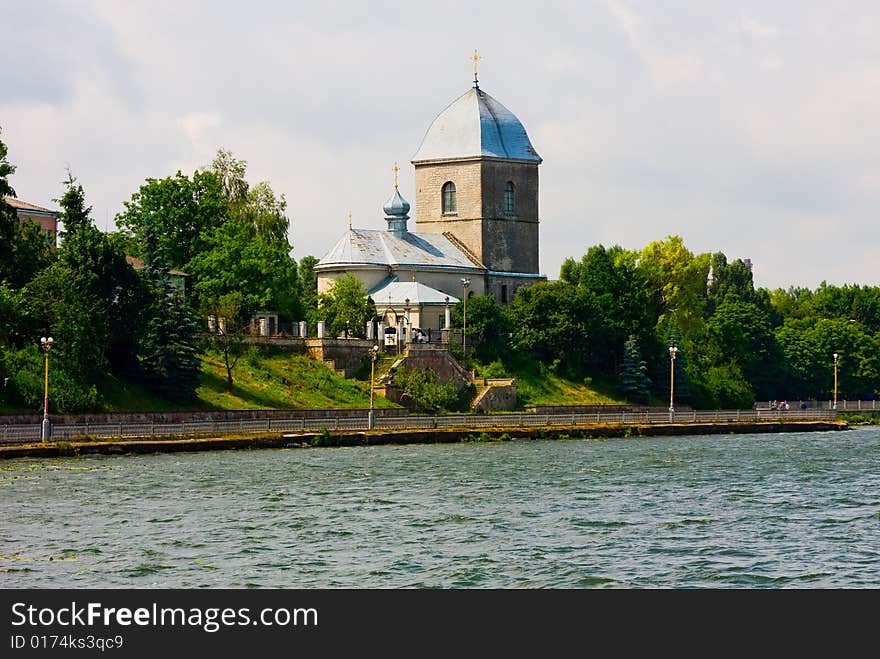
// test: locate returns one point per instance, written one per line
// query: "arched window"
(449, 198)
(509, 199)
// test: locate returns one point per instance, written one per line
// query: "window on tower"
(509, 199)
(449, 207)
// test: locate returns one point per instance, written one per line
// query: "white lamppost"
(834, 405)
(673, 351)
(46, 343)
(465, 282)
(371, 418)
(406, 323)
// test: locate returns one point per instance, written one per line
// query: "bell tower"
(476, 179)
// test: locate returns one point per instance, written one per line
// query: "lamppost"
(673, 351)
(834, 406)
(46, 343)
(406, 324)
(371, 418)
(465, 282)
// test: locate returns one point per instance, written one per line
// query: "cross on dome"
(476, 58)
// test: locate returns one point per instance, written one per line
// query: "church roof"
(395, 292)
(475, 124)
(384, 248)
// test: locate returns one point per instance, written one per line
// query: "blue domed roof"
(397, 206)
(475, 124)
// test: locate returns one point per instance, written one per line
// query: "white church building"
(476, 220)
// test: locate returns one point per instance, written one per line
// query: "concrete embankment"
(364, 438)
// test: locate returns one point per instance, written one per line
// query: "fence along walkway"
(31, 432)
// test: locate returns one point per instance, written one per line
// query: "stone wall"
(496, 397)
(510, 243)
(502, 242)
(218, 415)
(347, 354)
(592, 409)
(426, 357)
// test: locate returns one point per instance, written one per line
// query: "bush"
(423, 390)
(25, 370)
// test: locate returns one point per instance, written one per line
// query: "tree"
(346, 304)
(65, 307)
(105, 273)
(487, 326)
(556, 323)
(740, 333)
(182, 211)
(723, 386)
(168, 347)
(256, 207)
(678, 279)
(23, 248)
(227, 327)
(256, 267)
(621, 298)
(308, 289)
(634, 381)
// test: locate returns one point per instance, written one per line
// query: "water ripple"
(742, 511)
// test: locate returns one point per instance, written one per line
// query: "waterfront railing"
(69, 431)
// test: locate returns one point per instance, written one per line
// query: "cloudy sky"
(749, 128)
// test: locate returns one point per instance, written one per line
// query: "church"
(476, 220)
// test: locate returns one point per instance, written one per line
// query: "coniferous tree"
(634, 381)
(168, 347)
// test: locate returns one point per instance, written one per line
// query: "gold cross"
(395, 169)
(476, 58)
(349, 219)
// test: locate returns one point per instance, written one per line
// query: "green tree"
(557, 323)
(168, 347)
(182, 211)
(106, 276)
(740, 333)
(228, 327)
(347, 304)
(63, 306)
(723, 386)
(308, 289)
(678, 279)
(621, 299)
(23, 248)
(488, 327)
(634, 381)
(254, 206)
(258, 268)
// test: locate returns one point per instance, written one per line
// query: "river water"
(797, 510)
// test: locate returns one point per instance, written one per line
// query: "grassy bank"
(270, 378)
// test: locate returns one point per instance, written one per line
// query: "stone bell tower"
(476, 179)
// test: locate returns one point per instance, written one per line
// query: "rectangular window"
(503, 293)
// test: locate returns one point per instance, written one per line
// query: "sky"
(748, 128)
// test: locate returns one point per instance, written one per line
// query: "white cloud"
(757, 30)
(749, 129)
